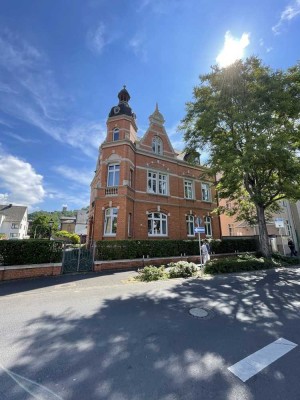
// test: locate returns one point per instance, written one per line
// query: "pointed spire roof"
(157, 117)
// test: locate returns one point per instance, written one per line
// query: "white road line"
(259, 360)
(36, 390)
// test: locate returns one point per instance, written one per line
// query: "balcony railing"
(111, 191)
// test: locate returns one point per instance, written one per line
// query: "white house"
(13, 221)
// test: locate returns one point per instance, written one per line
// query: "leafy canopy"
(247, 116)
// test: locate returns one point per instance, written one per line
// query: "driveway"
(89, 337)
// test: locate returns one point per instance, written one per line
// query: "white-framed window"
(157, 183)
(230, 229)
(14, 226)
(188, 189)
(113, 175)
(205, 190)
(157, 145)
(190, 225)
(208, 226)
(14, 235)
(157, 224)
(110, 222)
(116, 134)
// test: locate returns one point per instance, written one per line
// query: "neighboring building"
(143, 188)
(13, 221)
(82, 217)
(278, 236)
(68, 224)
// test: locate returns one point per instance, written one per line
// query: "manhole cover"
(198, 312)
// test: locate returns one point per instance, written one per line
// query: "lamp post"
(51, 222)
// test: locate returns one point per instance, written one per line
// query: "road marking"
(36, 390)
(259, 360)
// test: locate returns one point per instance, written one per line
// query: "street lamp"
(51, 222)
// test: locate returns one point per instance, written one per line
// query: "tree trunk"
(263, 233)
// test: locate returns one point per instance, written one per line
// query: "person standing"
(205, 254)
(291, 245)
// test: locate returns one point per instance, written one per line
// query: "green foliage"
(3, 236)
(70, 237)
(152, 273)
(231, 264)
(248, 117)
(182, 269)
(285, 260)
(30, 251)
(130, 249)
(40, 227)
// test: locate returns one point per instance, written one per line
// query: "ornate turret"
(156, 117)
(123, 107)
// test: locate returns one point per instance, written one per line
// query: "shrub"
(152, 273)
(285, 260)
(182, 269)
(30, 251)
(129, 249)
(231, 264)
(70, 237)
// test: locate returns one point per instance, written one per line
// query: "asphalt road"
(95, 337)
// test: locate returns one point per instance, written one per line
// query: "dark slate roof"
(123, 108)
(12, 213)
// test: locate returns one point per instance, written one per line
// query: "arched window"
(157, 224)
(190, 225)
(208, 226)
(110, 222)
(157, 145)
(116, 134)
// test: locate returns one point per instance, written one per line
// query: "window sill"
(158, 194)
(110, 235)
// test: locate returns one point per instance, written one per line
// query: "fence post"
(78, 261)
(63, 258)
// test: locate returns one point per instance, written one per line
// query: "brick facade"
(138, 190)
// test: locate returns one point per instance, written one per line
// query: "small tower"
(121, 123)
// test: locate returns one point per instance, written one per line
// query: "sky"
(62, 64)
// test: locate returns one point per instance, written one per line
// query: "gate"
(77, 260)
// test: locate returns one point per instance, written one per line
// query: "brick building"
(143, 188)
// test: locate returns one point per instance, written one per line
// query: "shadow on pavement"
(147, 346)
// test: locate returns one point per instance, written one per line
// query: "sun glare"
(233, 49)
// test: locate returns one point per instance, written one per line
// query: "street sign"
(279, 222)
(200, 229)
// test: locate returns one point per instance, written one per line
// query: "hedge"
(129, 249)
(226, 265)
(29, 251)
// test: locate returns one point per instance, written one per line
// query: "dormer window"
(157, 145)
(116, 134)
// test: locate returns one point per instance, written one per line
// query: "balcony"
(111, 191)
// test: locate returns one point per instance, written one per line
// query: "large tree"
(248, 118)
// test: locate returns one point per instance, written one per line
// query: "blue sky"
(62, 64)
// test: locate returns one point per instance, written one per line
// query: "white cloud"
(97, 38)
(20, 138)
(82, 177)
(19, 183)
(80, 200)
(233, 49)
(289, 13)
(38, 99)
(138, 47)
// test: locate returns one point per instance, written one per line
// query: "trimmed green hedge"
(29, 251)
(129, 249)
(226, 265)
